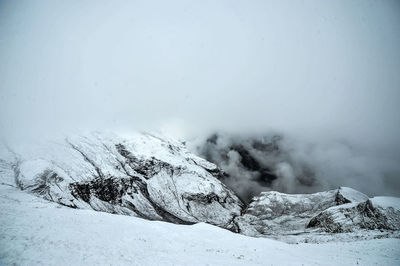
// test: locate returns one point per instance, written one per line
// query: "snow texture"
(34, 231)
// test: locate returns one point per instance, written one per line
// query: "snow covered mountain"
(157, 178)
(277, 213)
(145, 176)
(314, 217)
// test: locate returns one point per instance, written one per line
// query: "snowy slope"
(34, 231)
(386, 202)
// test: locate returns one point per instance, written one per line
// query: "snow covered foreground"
(34, 231)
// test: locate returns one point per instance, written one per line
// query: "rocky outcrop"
(343, 213)
(274, 213)
(354, 216)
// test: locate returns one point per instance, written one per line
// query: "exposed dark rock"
(43, 184)
(147, 168)
(201, 198)
(81, 191)
(112, 190)
(218, 173)
(340, 199)
(108, 189)
(351, 217)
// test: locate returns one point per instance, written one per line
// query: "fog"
(324, 74)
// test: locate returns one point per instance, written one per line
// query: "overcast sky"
(317, 68)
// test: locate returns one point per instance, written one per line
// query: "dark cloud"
(255, 163)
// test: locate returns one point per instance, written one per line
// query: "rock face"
(274, 213)
(145, 176)
(344, 214)
(369, 215)
(158, 179)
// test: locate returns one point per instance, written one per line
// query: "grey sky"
(317, 68)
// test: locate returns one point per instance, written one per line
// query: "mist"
(323, 75)
(253, 163)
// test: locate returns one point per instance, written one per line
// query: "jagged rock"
(274, 213)
(350, 217)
